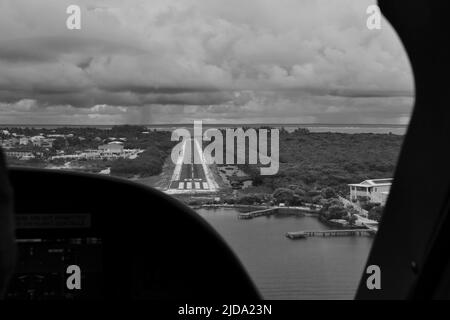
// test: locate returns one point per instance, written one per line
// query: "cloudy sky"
(222, 61)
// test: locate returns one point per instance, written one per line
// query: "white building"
(103, 152)
(37, 140)
(9, 143)
(377, 190)
(56, 136)
(22, 155)
(111, 148)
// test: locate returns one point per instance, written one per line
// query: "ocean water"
(342, 128)
(313, 268)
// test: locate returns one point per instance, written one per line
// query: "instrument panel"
(53, 266)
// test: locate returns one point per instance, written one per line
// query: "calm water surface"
(313, 268)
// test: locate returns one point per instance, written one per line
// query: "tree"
(328, 193)
(337, 212)
(369, 205)
(333, 209)
(59, 144)
(376, 213)
(248, 199)
(296, 201)
(283, 195)
(299, 191)
(313, 193)
(317, 199)
(352, 219)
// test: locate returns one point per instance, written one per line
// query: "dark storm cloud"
(230, 59)
(86, 99)
(52, 48)
(371, 93)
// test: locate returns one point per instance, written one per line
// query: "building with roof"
(111, 148)
(37, 140)
(22, 155)
(376, 190)
(9, 143)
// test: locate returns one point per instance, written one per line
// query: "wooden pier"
(257, 213)
(277, 210)
(329, 233)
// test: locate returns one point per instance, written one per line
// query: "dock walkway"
(257, 213)
(329, 233)
(277, 210)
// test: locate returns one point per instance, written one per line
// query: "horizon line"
(209, 123)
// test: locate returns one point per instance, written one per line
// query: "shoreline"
(304, 210)
(295, 211)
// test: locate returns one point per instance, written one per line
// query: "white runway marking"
(209, 176)
(179, 164)
(191, 184)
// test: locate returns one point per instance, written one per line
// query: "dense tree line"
(318, 160)
(376, 213)
(157, 146)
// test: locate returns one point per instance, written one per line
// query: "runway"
(189, 176)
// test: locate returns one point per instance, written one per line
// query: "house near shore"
(376, 190)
